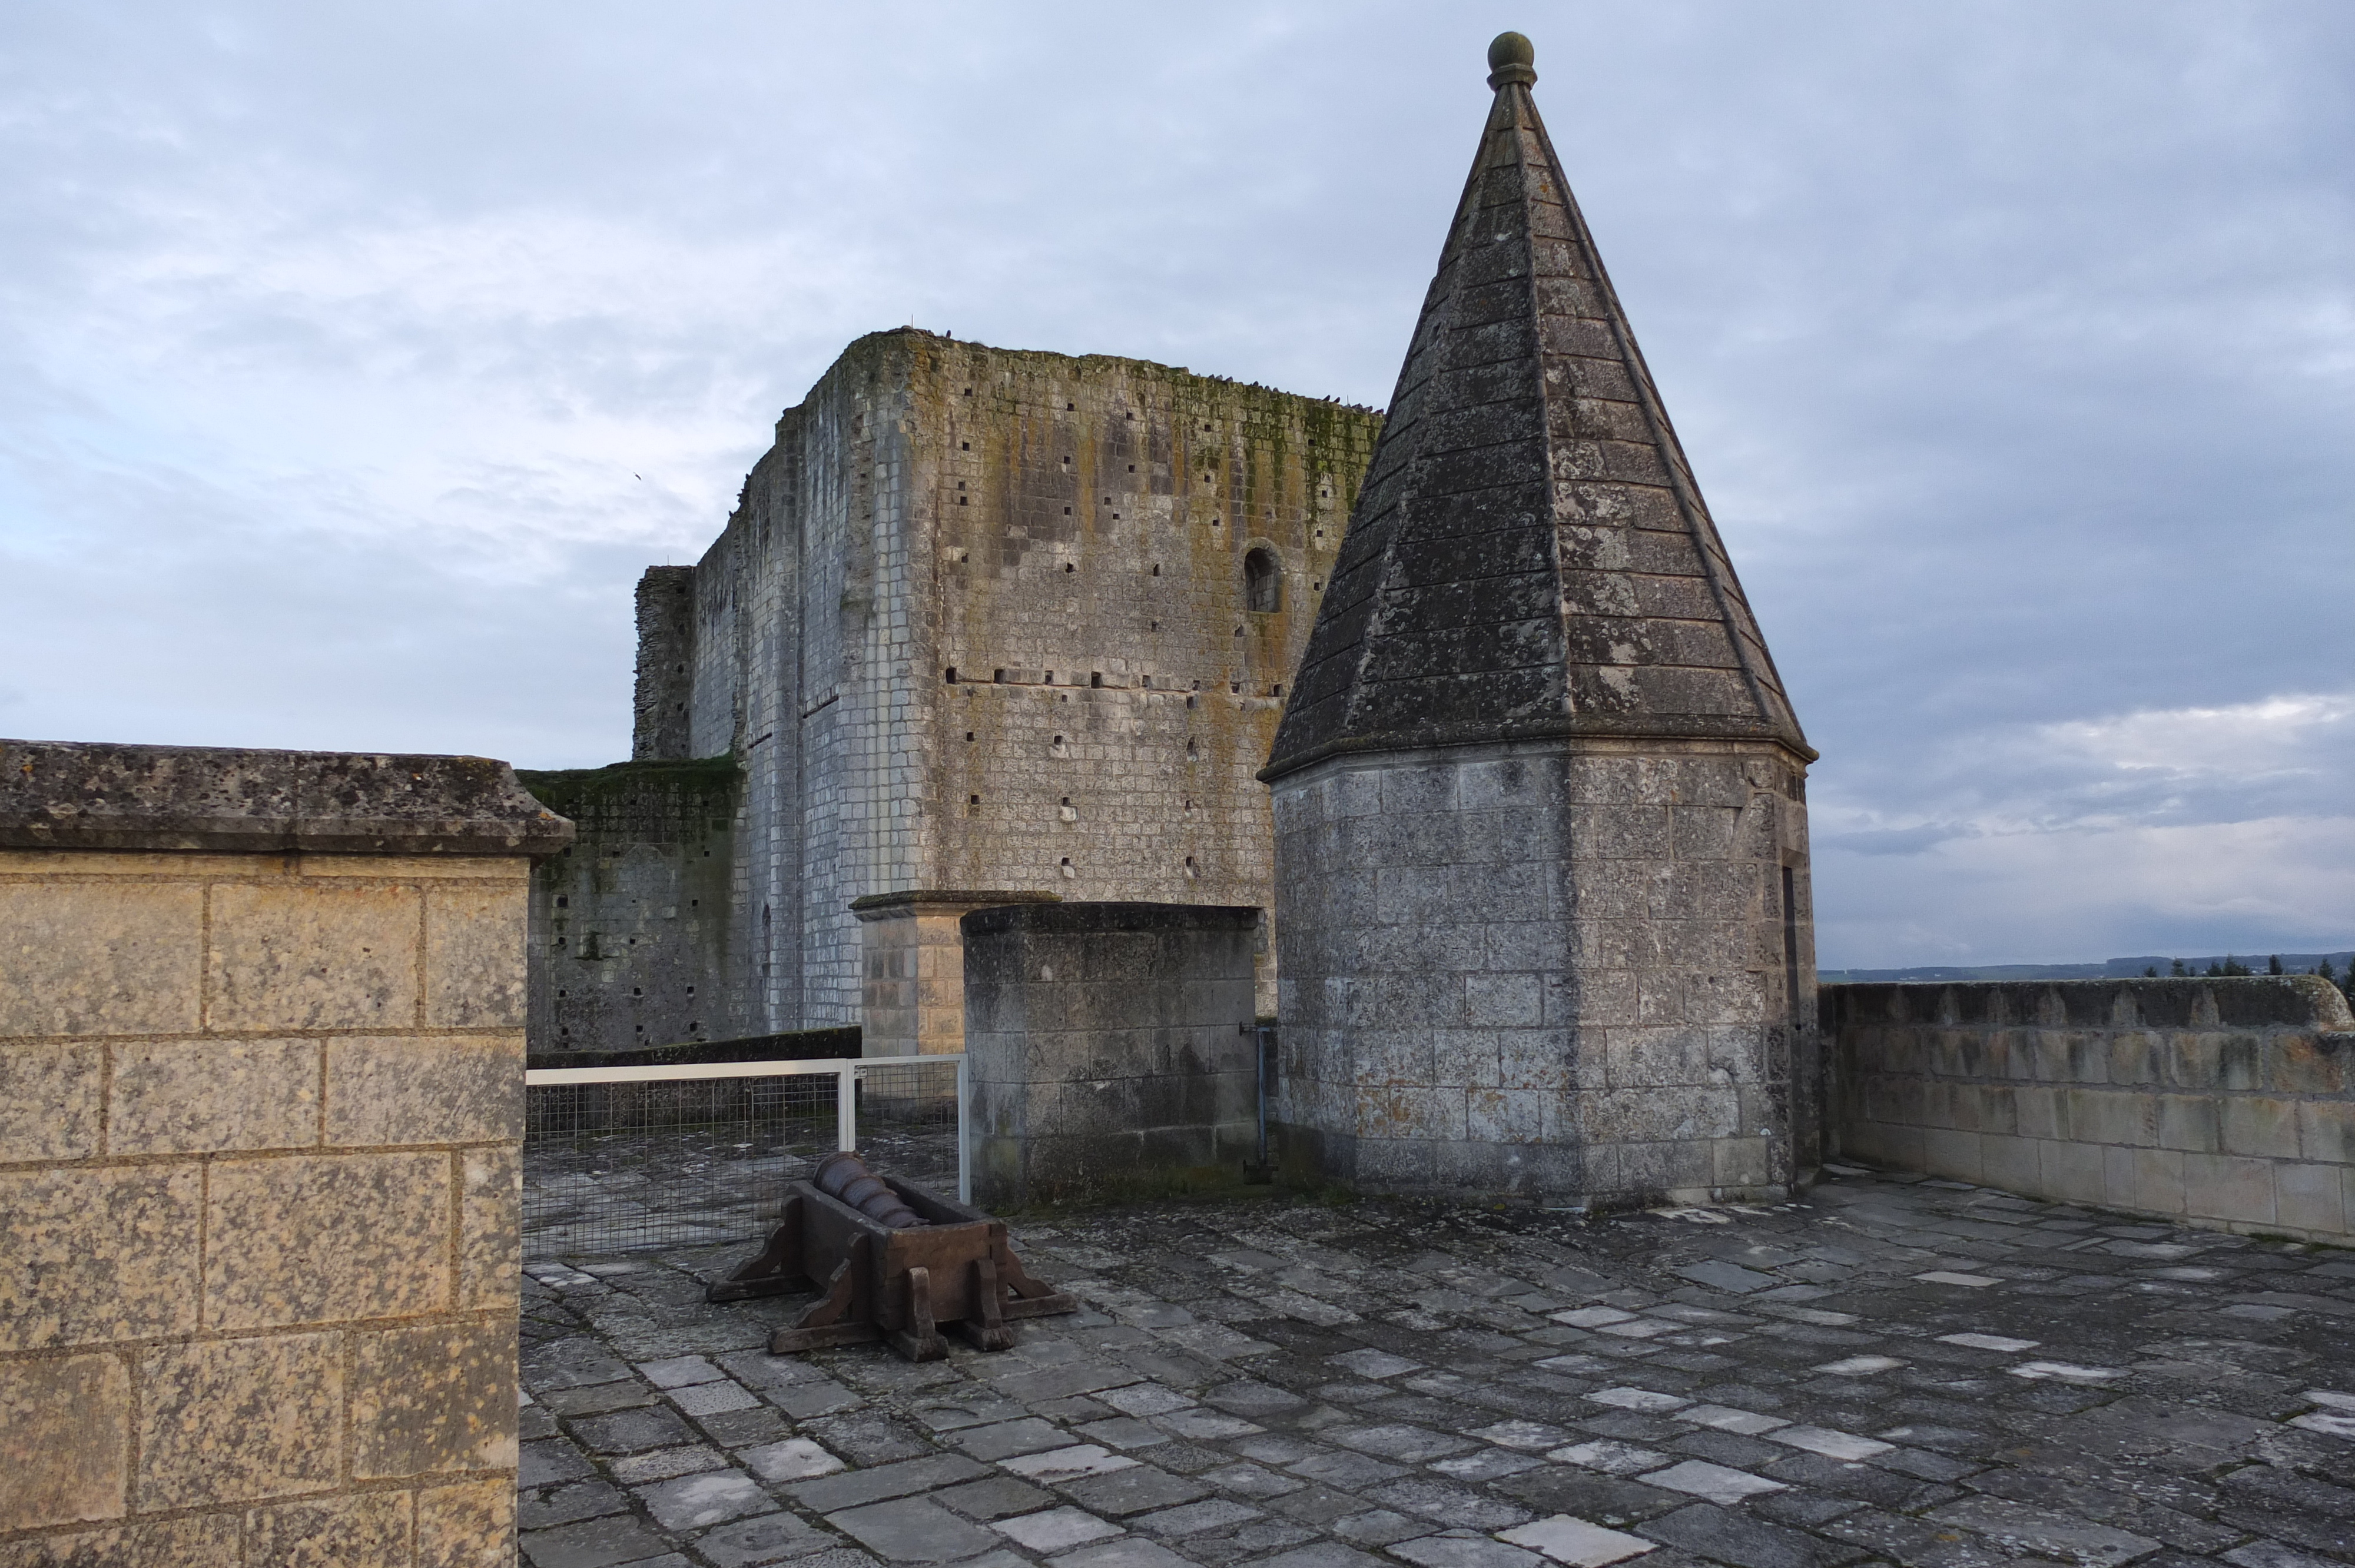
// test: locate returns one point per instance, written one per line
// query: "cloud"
(2014, 345)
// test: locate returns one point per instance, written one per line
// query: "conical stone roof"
(1529, 556)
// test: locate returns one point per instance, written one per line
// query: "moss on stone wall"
(576, 792)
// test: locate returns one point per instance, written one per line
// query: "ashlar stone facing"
(1551, 969)
(1107, 1042)
(261, 1118)
(2220, 1103)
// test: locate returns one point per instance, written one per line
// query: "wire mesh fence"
(621, 1158)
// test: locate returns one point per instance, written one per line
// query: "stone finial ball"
(1511, 50)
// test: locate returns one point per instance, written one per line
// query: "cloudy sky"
(355, 359)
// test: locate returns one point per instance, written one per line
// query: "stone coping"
(875, 905)
(1090, 917)
(75, 795)
(2240, 1002)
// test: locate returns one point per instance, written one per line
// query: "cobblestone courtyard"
(1893, 1372)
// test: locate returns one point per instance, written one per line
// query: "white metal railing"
(847, 1073)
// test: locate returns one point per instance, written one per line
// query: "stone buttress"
(1541, 864)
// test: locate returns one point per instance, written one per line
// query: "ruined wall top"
(78, 796)
(1530, 555)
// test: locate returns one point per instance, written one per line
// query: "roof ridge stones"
(1529, 556)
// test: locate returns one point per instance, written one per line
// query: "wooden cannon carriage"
(893, 1262)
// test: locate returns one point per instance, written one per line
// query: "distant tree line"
(2177, 970)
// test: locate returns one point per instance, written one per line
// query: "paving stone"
(1205, 1425)
(1252, 1481)
(1464, 1551)
(1380, 1527)
(795, 1460)
(662, 1464)
(1341, 1468)
(1056, 1529)
(804, 1399)
(869, 1437)
(912, 1530)
(2183, 1398)
(693, 1502)
(1831, 1444)
(1486, 1465)
(598, 1543)
(596, 1398)
(1066, 1464)
(1374, 1363)
(1125, 1552)
(769, 1537)
(1134, 1491)
(1194, 1517)
(1611, 1457)
(1407, 1445)
(2017, 1526)
(1455, 1506)
(906, 1478)
(1715, 1482)
(539, 1510)
(1575, 1541)
(714, 1398)
(1324, 1554)
(1724, 1535)
(545, 1463)
(1004, 1440)
(1727, 1276)
(679, 1372)
(631, 1431)
(1122, 1432)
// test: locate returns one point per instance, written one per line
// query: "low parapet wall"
(261, 1101)
(2224, 1103)
(1107, 1044)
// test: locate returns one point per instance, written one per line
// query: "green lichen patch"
(573, 791)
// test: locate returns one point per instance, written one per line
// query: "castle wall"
(634, 925)
(666, 682)
(1070, 537)
(1548, 969)
(2226, 1104)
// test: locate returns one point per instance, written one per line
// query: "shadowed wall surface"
(2228, 1102)
(1107, 1044)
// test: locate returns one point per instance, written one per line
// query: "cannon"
(892, 1261)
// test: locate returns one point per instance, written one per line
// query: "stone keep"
(982, 619)
(1541, 867)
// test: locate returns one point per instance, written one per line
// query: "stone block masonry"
(1107, 1044)
(981, 619)
(1547, 972)
(634, 928)
(261, 1112)
(913, 999)
(2222, 1103)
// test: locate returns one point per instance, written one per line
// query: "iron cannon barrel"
(846, 1176)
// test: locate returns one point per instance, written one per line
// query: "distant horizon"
(2126, 968)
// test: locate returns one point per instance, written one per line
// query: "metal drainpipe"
(1259, 1033)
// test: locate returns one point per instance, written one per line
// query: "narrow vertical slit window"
(1791, 942)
